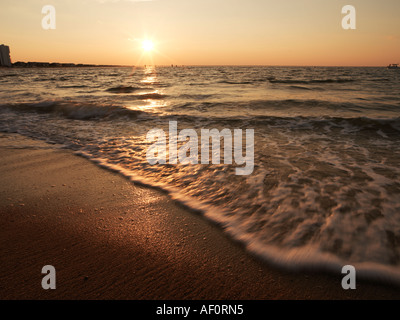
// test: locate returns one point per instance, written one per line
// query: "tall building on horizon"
(5, 59)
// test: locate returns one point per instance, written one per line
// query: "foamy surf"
(307, 258)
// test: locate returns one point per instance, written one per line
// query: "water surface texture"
(325, 190)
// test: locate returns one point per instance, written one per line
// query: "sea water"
(325, 189)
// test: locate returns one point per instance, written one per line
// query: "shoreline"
(109, 238)
(52, 65)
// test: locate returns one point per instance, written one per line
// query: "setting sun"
(147, 45)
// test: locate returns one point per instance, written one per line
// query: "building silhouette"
(5, 60)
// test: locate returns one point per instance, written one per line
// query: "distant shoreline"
(20, 64)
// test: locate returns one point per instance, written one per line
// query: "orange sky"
(206, 32)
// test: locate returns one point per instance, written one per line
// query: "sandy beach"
(111, 239)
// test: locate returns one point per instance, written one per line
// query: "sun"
(147, 45)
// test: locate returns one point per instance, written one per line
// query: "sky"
(203, 32)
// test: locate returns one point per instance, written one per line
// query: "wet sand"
(111, 239)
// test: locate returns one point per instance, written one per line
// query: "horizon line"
(207, 65)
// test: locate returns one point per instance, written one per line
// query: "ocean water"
(325, 190)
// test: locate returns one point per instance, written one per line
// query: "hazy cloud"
(105, 1)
